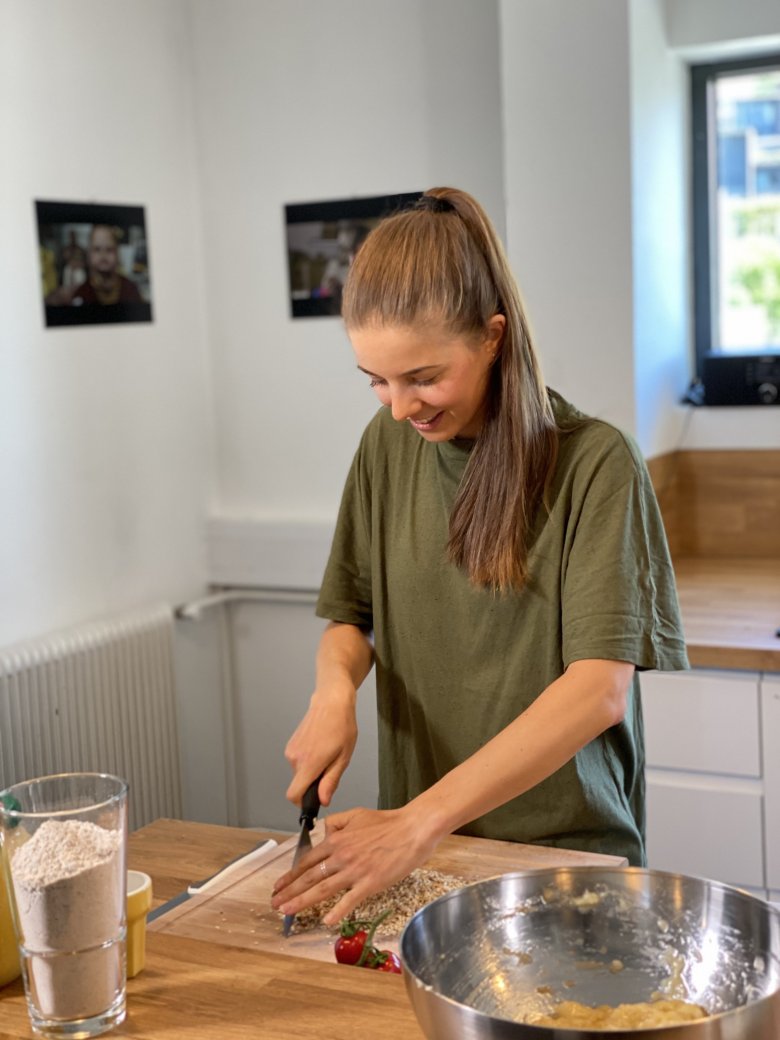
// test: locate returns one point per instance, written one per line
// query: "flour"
(69, 894)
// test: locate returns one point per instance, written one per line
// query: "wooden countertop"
(196, 990)
(721, 513)
(236, 910)
(731, 611)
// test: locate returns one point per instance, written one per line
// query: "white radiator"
(97, 698)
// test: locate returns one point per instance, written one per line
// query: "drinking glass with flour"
(63, 841)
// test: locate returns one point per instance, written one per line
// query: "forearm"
(588, 699)
(367, 850)
(344, 658)
(325, 738)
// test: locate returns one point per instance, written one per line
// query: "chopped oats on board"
(406, 897)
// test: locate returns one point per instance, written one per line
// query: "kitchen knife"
(310, 807)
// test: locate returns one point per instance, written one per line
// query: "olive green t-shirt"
(455, 664)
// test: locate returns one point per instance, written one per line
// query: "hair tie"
(434, 204)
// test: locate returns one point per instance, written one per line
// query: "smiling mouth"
(424, 424)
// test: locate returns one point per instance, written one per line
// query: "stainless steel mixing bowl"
(479, 959)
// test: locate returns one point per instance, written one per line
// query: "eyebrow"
(411, 372)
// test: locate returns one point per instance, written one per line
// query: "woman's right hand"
(323, 741)
(326, 737)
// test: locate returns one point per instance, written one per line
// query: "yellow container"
(139, 902)
(10, 968)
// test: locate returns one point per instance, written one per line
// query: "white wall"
(301, 102)
(106, 445)
(722, 27)
(659, 226)
(567, 125)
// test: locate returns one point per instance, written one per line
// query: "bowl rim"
(412, 979)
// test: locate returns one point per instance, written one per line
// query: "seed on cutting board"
(406, 897)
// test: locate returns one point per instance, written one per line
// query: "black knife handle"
(310, 806)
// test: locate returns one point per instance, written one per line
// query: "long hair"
(442, 262)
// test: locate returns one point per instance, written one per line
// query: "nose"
(404, 404)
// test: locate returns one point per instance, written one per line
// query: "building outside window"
(736, 169)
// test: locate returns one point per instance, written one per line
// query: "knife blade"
(310, 807)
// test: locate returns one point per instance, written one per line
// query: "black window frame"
(704, 187)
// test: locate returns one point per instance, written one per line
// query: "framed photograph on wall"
(322, 238)
(94, 263)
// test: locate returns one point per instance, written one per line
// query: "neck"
(106, 286)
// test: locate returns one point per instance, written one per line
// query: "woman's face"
(428, 377)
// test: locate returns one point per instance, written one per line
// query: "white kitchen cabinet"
(706, 826)
(706, 783)
(703, 721)
(770, 720)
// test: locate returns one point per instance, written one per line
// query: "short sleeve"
(345, 594)
(619, 593)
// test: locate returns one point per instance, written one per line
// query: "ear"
(494, 335)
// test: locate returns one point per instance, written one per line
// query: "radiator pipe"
(193, 610)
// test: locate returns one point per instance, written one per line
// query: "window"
(736, 200)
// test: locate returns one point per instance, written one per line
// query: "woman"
(508, 556)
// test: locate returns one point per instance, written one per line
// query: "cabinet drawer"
(706, 826)
(702, 721)
(770, 690)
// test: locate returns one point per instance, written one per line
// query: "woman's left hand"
(364, 852)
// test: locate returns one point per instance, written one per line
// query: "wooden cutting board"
(238, 912)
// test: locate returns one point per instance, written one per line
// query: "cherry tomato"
(348, 948)
(388, 961)
(355, 945)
